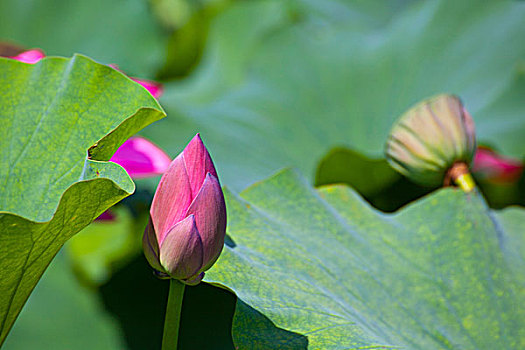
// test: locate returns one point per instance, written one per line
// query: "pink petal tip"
(198, 162)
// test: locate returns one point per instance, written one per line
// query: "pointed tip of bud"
(430, 137)
(195, 142)
(198, 163)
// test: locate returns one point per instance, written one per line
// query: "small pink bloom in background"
(106, 216)
(154, 88)
(187, 227)
(30, 56)
(141, 158)
(495, 168)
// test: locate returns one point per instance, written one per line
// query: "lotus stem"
(460, 176)
(173, 311)
(465, 182)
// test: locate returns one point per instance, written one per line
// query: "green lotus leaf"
(281, 84)
(52, 116)
(111, 31)
(321, 269)
(61, 314)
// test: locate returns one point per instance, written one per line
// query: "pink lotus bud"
(141, 158)
(187, 225)
(30, 56)
(493, 167)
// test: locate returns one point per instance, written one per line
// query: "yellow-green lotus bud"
(430, 139)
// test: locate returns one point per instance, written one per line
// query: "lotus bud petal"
(151, 246)
(209, 212)
(181, 252)
(430, 138)
(187, 218)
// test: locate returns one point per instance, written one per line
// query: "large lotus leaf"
(52, 115)
(322, 269)
(111, 31)
(61, 315)
(279, 85)
(187, 42)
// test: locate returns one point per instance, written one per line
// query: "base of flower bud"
(460, 176)
(161, 275)
(193, 281)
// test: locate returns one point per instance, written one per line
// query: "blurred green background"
(309, 84)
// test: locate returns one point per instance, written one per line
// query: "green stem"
(465, 182)
(173, 312)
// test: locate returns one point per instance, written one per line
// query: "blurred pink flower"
(30, 56)
(154, 88)
(141, 158)
(106, 216)
(493, 167)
